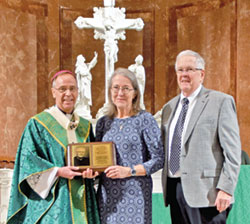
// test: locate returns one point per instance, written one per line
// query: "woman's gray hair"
(200, 63)
(112, 110)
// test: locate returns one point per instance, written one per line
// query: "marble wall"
(38, 37)
(219, 31)
(18, 75)
(243, 71)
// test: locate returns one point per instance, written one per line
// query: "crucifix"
(109, 24)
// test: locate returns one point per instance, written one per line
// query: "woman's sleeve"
(154, 148)
(99, 130)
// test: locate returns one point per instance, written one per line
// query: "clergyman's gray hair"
(54, 80)
(200, 63)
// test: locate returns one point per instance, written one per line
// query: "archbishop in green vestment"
(37, 194)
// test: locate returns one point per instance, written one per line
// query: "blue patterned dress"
(138, 141)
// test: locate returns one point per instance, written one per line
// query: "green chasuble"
(41, 148)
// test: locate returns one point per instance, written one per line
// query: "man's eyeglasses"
(187, 70)
(124, 89)
(63, 89)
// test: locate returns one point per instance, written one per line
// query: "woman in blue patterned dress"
(125, 190)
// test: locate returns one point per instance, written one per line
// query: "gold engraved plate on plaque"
(102, 155)
(94, 155)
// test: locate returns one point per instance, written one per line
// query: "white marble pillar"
(157, 187)
(5, 184)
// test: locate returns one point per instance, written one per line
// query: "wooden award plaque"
(94, 155)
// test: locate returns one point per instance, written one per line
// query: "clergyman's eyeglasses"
(63, 89)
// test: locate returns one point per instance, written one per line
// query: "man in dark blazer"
(201, 187)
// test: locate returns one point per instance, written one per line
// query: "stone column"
(5, 184)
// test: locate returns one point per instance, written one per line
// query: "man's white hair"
(200, 63)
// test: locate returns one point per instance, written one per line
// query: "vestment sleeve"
(37, 156)
(41, 183)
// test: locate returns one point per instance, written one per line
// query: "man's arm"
(228, 131)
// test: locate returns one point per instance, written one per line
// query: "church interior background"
(39, 37)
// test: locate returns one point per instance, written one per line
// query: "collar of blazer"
(170, 108)
(202, 99)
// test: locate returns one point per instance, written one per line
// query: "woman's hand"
(115, 172)
(89, 173)
(68, 172)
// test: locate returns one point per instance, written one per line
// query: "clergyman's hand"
(68, 172)
(89, 173)
(222, 201)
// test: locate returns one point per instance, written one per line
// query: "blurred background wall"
(38, 37)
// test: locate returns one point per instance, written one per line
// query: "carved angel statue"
(139, 72)
(84, 79)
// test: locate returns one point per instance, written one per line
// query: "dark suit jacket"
(245, 160)
(211, 154)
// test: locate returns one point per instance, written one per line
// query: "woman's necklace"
(122, 120)
(121, 124)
